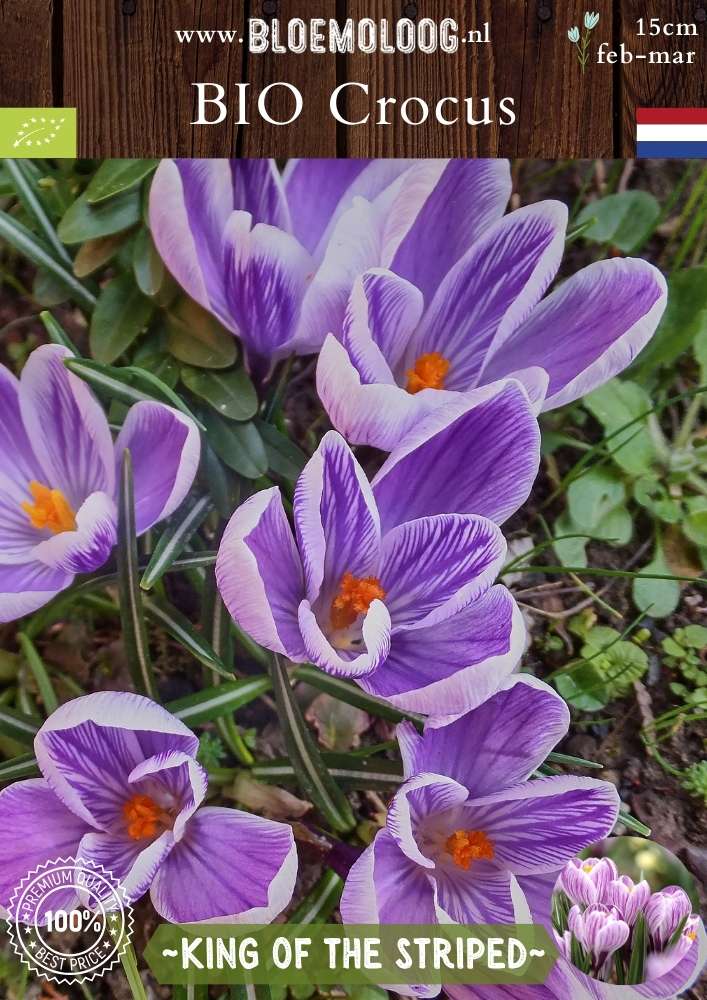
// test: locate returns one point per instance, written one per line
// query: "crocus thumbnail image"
(59, 474)
(384, 584)
(121, 788)
(469, 837)
(401, 354)
(274, 257)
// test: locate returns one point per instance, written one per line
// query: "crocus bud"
(586, 881)
(627, 896)
(664, 912)
(600, 930)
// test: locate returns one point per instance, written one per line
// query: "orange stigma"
(354, 598)
(429, 373)
(466, 846)
(50, 509)
(143, 816)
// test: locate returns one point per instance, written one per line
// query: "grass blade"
(131, 610)
(173, 540)
(57, 333)
(348, 771)
(39, 672)
(18, 768)
(639, 947)
(321, 900)
(24, 241)
(182, 630)
(312, 774)
(215, 702)
(19, 727)
(353, 695)
(34, 207)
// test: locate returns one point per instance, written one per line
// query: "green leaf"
(616, 404)
(239, 446)
(25, 242)
(131, 609)
(18, 768)
(285, 458)
(695, 636)
(128, 384)
(232, 394)
(94, 254)
(19, 727)
(695, 527)
(182, 630)
(84, 222)
(39, 672)
(625, 220)
(121, 315)
(24, 186)
(116, 176)
(593, 497)
(47, 289)
(583, 686)
(57, 333)
(195, 337)
(147, 264)
(700, 348)
(215, 702)
(312, 775)
(657, 598)
(683, 322)
(639, 948)
(180, 528)
(320, 902)
(353, 695)
(571, 551)
(350, 772)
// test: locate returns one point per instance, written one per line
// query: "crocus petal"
(259, 574)
(588, 330)
(133, 862)
(37, 828)
(377, 414)
(540, 824)
(336, 519)
(26, 587)
(500, 743)
(481, 895)
(434, 566)
(375, 644)
(67, 427)
(18, 464)
(174, 779)
(259, 190)
(485, 453)
(467, 199)
(491, 290)
(89, 546)
(421, 797)
(680, 977)
(88, 747)
(453, 666)
(229, 866)
(190, 203)
(164, 447)
(266, 274)
(386, 887)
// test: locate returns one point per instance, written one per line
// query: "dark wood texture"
(120, 63)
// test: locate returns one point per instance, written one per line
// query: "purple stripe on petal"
(435, 566)
(455, 665)
(383, 312)
(481, 895)
(336, 519)
(470, 196)
(588, 330)
(28, 586)
(539, 824)
(67, 427)
(90, 545)
(231, 867)
(314, 190)
(355, 660)
(88, 747)
(153, 431)
(37, 827)
(478, 455)
(258, 189)
(500, 743)
(134, 862)
(491, 290)
(259, 574)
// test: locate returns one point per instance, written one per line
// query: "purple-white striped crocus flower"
(469, 838)
(627, 896)
(405, 607)
(600, 930)
(59, 472)
(665, 911)
(121, 788)
(586, 880)
(400, 352)
(275, 257)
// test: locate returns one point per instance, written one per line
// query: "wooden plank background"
(118, 61)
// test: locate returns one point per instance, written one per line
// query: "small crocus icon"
(591, 20)
(573, 34)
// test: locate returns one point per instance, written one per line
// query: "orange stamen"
(50, 509)
(428, 373)
(143, 816)
(354, 598)
(466, 846)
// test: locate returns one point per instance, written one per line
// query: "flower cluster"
(617, 930)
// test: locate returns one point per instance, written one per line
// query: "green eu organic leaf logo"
(38, 133)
